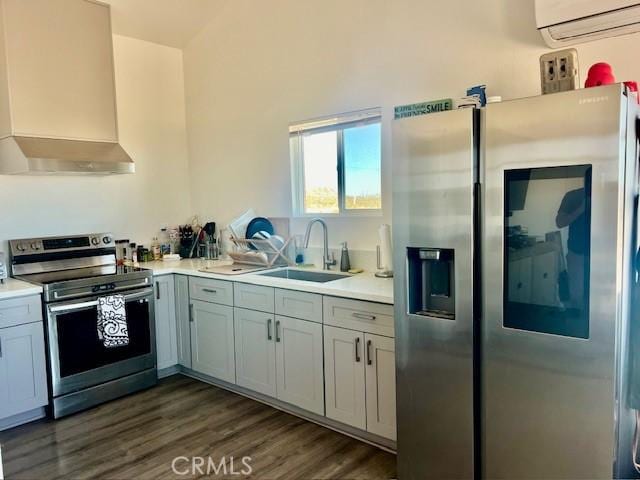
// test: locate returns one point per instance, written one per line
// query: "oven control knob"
(34, 246)
(95, 241)
(107, 240)
(20, 247)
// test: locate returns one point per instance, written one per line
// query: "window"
(336, 164)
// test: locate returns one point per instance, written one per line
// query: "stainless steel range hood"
(45, 156)
(58, 110)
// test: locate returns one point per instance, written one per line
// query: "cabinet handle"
(369, 361)
(209, 290)
(363, 316)
(269, 337)
(357, 344)
(277, 330)
(0, 347)
(157, 291)
(191, 312)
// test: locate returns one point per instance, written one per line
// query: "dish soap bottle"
(345, 265)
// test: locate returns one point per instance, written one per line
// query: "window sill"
(354, 214)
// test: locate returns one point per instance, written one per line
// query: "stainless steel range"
(75, 272)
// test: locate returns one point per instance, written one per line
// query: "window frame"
(336, 123)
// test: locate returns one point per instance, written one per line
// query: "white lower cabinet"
(344, 376)
(360, 380)
(299, 372)
(255, 351)
(272, 342)
(212, 342)
(165, 315)
(280, 357)
(23, 373)
(183, 323)
(381, 385)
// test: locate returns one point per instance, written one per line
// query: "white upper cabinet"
(58, 73)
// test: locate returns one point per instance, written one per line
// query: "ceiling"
(168, 22)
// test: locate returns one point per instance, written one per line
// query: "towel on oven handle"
(112, 321)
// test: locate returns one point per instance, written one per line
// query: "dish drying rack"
(273, 256)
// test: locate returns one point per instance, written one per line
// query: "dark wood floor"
(140, 435)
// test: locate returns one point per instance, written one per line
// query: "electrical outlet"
(559, 71)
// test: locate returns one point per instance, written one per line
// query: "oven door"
(79, 359)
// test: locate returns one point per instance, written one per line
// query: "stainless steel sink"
(319, 277)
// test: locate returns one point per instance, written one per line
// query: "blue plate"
(259, 224)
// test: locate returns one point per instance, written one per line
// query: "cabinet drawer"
(307, 306)
(253, 297)
(212, 291)
(18, 311)
(367, 317)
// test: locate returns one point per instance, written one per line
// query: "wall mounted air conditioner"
(567, 22)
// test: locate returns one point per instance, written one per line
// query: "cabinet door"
(299, 363)
(520, 280)
(544, 283)
(183, 324)
(61, 69)
(166, 335)
(255, 350)
(212, 343)
(344, 376)
(381, 385)
(23, 371)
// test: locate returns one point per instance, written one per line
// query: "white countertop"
(361, 286)
(12, 288)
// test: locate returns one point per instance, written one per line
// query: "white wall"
(150, 98)
(262, 65)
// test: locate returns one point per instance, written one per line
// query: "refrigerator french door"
(515, 229)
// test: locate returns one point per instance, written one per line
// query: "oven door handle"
(59, 297)
(83, 305)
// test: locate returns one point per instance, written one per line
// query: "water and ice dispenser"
(431, 282)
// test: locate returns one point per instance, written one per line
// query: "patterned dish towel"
(112, 321)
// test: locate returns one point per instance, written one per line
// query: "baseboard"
(22, 418)
(375, 440)
(167, 372)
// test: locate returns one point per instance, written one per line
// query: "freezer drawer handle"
(357, 347)
(363, 316)
(369, 361)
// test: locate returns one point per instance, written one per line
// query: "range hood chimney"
(57, 90)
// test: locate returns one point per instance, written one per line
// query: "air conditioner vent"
(592, 19)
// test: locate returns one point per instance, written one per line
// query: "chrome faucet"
(326, 261)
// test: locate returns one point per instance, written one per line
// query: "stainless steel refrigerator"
(514, 239)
